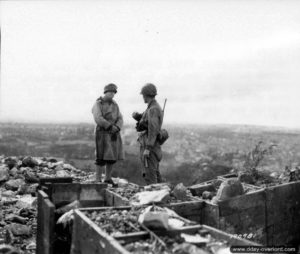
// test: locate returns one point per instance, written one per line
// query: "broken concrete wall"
(270, 215)
(283, 214)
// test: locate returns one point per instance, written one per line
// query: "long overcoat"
(109, 146)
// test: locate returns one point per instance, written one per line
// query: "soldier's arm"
(120, 121)
(98, 117)
(153, 127)
(137, 116)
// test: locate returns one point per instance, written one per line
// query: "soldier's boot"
(98, 175)
(108, 172)
(158, 176)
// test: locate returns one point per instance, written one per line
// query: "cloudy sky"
(233, 61)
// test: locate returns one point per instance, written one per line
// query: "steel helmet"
(149, 90)
(110, 88)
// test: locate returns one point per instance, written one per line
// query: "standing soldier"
(109, 122)
(149, 126)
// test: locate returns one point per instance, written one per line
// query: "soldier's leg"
(151, 170)
(158, 175)
(99, 170)
(108, 170)
(99, 157)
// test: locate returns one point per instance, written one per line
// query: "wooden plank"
(49, 222)
(92, 191)
(132, 237)
(218, 234)
(249, 221)
(64, 193)
(242, 202)
(119, 200)
(210, 214)
(191, 210)
(40, 221)
(88, 238)
(109, 197)
(47, 180)
(198, 189)
(46, 223)
(99, 209)
(283, 213)
(227, 176)
(114, 199)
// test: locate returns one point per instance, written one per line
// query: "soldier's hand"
(146, 153)
(136, 116)
(114, 129)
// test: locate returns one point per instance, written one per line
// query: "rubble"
(62, 173)
(4, 175)
(14, 184)
(116, 222)
(180, 192)
(19, 229)
(154, 193)
(26, 201)
(149, 197)
(19, 178)
(29, 162)
(11, 162)
(162, 218)
(228, 189)
(30, 177)
(8, 249)
(15, 218)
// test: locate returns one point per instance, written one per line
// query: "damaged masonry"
(19, 179)
(56, 204)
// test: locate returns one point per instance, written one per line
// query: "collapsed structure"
(57, 204)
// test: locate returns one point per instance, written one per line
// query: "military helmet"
(149, 90)
(110, 88)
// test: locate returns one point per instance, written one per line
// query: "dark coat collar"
(102, 100)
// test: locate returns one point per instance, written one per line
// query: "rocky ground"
(19, 178)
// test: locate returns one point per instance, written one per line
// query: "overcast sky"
(216, 61)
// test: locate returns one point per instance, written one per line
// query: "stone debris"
(14, 184)
(180, 192)
(26, 201)
(19, 179)
(29, 162)
(228, 189)
(8, 249)
(19, 229)
(15, 218)
(4, 173)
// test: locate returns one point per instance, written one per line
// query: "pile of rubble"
(19, 179)
(154, 193)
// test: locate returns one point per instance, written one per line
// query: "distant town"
(193, 153)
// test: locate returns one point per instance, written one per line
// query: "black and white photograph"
(149, 127)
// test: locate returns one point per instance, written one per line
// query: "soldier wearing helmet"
(149, 126)
(109, 122)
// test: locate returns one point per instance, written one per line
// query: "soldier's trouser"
(151, 173)
(102, 165)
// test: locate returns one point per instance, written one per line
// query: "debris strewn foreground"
(19, 179)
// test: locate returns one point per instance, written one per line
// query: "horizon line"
(279, 127)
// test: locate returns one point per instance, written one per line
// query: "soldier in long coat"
(109, 122)
(149, 126)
